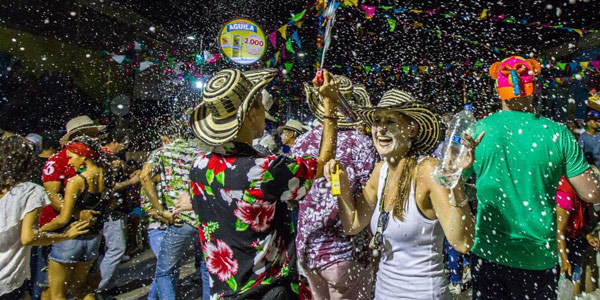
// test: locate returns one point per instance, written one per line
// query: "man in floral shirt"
(337, 266)
(172, 164)
(240, 195)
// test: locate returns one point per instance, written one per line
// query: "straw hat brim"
(65, 138)
(282, 128)
(315, 104)
(214, 131)
(428, 137)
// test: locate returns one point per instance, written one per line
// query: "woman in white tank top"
(408, 213)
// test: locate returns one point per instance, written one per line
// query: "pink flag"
(596, 64)
(273, 39)
(370, 10)
(214, 58)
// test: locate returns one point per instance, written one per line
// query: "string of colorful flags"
(370, 12)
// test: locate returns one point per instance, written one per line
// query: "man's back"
(519, 165)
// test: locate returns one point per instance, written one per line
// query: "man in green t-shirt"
(518, 165)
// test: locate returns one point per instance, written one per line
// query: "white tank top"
(411, 264)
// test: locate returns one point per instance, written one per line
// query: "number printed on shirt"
(49, 169)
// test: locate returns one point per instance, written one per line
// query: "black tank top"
(86, 201)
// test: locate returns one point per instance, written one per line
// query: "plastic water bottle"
(448, 170)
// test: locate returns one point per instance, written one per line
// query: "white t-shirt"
(14, 257)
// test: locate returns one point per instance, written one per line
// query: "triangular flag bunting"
(288, 66)
(573, 66)
(423, 69)
(277, 56)
(273, 39)
(351, 2)
(367, 69)
(406, 69)
(296, 39)
(145, 65)
(299, 24)
(298, 16)
(596, 64)
(483, 14)
(282, 30)
(392, 23)
(561, 65)
(118, 58)
(288, 46)
(584, 65)
(369, 10)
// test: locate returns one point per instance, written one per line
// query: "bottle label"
(456, 139)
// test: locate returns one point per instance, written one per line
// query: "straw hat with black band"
(355, 94)
(429, 127)
(292, 125)
(78, 124)
(227, 98)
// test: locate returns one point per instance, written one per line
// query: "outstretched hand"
(77, 228)
(471, 144)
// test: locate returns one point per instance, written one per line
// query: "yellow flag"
(578, 31)
(483, 14)
(299, 24)
(277, 56)
(416, 11)
(282, 30)
(423, 69)
(584, 64)
(417, 24)
(387, 68)
(351, 2)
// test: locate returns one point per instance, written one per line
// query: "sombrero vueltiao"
(429, 127)
(355, 94)
(227, 99)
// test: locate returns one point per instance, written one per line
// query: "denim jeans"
(175, 242)
(155, 237)
(454, 263)
(114, 239)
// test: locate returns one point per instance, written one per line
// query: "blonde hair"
(404, 185)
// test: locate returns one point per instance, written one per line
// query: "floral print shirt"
(240, 199)
(321, 241)
(173, 163)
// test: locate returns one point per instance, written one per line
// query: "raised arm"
(355, 214)
(75, 186)
(329, 91)
(451, 207)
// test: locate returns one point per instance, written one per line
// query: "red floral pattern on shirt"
(245, 245)
(321, 241)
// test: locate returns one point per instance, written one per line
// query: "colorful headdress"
(514, 76)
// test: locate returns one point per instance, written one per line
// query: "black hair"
(51, 140)
(104, 161)
(17, 161)
(118, 135)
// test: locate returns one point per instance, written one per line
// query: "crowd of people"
(258, 211)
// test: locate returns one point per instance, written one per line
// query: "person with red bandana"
(70, 261)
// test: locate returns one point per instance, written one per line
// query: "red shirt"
(57, 168)
(567, 199)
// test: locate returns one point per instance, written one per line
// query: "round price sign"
(242, 41)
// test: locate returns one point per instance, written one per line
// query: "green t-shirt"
(518, 165)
